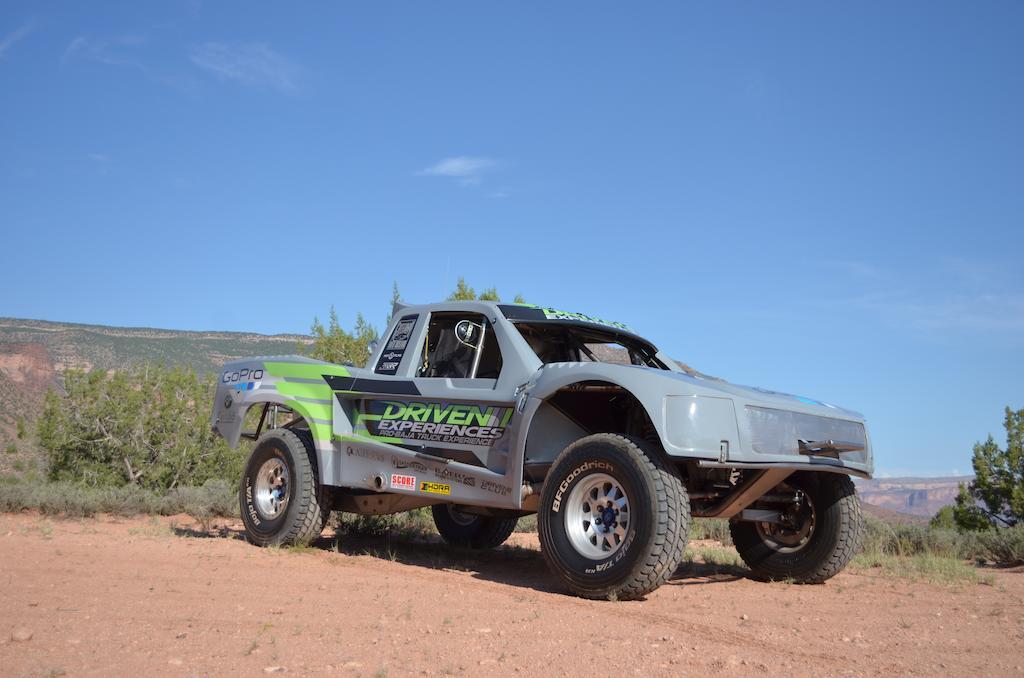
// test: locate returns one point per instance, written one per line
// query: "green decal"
(303, 370)
(555, 314)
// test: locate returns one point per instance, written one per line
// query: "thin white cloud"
(111, 52)
(975, 312)
(13, 38)
(248, 63)
(947, 294)
(466, 169)
(123, 51)
(101, 163)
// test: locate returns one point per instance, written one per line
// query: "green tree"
(396, 297)
(146, 425)
(336, 345)
(463, 292)
(943, 519)
(967, 515)
(998, 484)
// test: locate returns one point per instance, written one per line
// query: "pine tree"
(998, 484)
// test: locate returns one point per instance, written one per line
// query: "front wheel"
(472, 531)
(815, 536)
(281, 497)
(613, 518)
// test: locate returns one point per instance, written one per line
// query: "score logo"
(401, 482)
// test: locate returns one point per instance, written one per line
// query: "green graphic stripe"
(321, 432)
(317, 416)
(359, 436)
(289, 388)
(303, 370)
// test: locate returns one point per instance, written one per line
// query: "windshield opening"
(566, 343)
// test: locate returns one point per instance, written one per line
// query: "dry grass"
(923, 566)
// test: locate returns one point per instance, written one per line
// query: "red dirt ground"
(106, 596)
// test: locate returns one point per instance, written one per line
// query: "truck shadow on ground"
(510, 564)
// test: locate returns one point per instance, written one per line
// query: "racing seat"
(450, 357)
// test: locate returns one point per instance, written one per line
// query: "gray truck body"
(397, 438)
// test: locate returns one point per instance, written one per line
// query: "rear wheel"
(613, 519)
(465, 529)
(282, 500)
(815, 537)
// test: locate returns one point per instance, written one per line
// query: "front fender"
(701, 423)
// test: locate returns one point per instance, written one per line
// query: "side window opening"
(460, 346)
(555, 343)
(611, 352)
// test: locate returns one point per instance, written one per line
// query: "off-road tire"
(470, 531)
(659, 519)
(838, 533)
(309, 502)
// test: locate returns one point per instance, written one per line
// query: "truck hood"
(762, 397)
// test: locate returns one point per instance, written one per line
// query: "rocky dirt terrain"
(159, 596)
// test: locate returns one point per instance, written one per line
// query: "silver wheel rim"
(460, 518)
(597, 516)
(795, 531)
(272, 488)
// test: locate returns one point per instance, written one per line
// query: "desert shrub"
(527, 524)
(1002, 546)
(214, 498)
(11, 448)
(410, 523)
(893, 539)
(936, 569)
(711, 528)
(145, 426)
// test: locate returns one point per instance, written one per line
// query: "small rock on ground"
(21, 635)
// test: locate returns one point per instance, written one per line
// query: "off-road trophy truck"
(487, 412)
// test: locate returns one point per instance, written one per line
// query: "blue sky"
(826, 200)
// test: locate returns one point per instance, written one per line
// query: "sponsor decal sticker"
(365, 453)
(438, 422)
(395, 348)
(414, 465)
(446, 473)
(555, 314)
(435, 488)
(245, 374)
(403, 482)
(496, 488)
